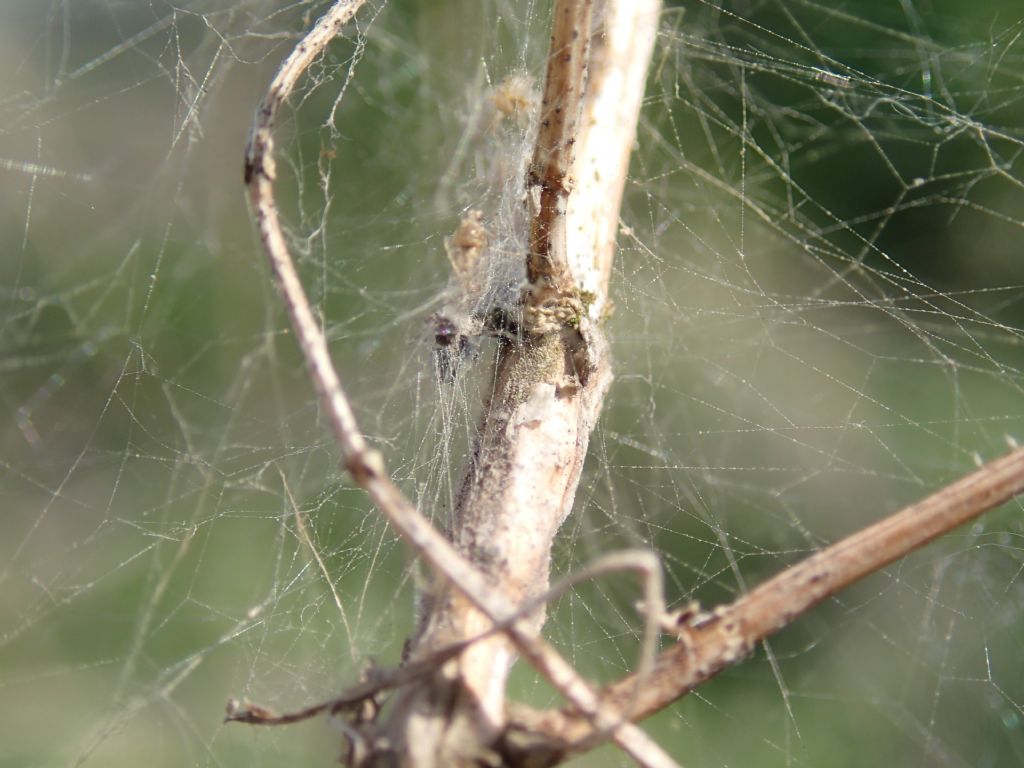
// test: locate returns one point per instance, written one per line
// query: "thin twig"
(648, 566)
(366, 465)
(710, 642)
(377, 682)
(641, 561)
(380, 680)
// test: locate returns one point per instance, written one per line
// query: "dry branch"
(710, 642)
(533, 438)
(460, 582)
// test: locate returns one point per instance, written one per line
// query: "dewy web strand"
(814, 317)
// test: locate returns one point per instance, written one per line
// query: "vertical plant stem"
(528, 460)
(548, 389)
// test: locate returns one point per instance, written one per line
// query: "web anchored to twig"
(473, 591)
(491, 572)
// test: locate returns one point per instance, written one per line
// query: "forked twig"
(710, 642)
(364, 464)
(379, 680)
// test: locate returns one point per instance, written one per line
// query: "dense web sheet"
(817, 319)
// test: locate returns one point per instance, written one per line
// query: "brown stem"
(710, 642)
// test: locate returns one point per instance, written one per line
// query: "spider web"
(818, 319)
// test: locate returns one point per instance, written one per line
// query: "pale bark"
(549, 385)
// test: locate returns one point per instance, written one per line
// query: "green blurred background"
(818, 314)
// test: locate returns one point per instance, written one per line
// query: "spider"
(476, 307)
(454, 348)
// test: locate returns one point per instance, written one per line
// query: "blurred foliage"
(161, 443)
